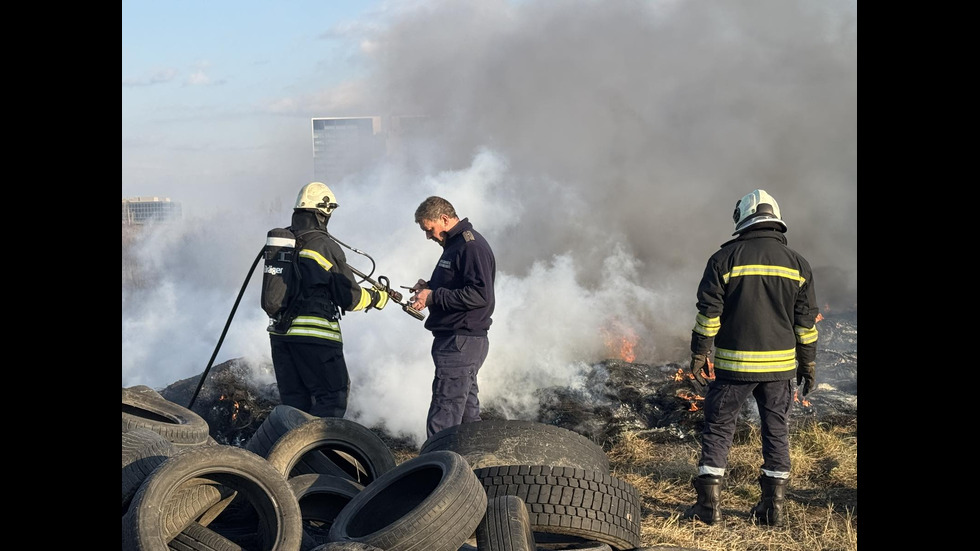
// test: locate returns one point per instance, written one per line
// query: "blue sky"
(206, 85)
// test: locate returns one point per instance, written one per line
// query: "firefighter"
(757, 308)
(308, 355)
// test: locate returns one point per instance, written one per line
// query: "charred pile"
(616, 396)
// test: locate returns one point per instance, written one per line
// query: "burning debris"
(233, 408)
(616, 395)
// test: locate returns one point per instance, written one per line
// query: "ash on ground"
(657, 401)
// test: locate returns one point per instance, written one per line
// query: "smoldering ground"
(599, 146)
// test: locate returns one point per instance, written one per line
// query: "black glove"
(700, 370)
(379, 298)
(805, 372)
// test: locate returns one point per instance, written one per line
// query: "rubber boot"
(769, 510)
(708, 507)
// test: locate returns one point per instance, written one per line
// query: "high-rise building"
(141, 210)
(345, 145)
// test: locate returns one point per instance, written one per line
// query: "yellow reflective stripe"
(707, 326)
(365, 300)
(316, 257)
(312, 326)
(755, 361)
(805, 335)
(317, 322)
(765, 270)
(314, 332)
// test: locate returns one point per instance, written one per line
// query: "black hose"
(227, 323)
(360, 252)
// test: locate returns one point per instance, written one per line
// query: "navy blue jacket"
(462, 284)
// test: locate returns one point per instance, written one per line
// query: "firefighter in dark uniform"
(308, 354)
(757, 308)
(460, 299)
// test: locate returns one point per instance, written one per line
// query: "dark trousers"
(721, 410)
(455, 392)
(311, 377)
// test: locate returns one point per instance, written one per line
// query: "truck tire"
(563, 500)
(144, 407)
(432, 502)
(142, 451)
(505, 526)
(346, 546)
(334, 446)
(280, 420)
(199, 538)
(321, 498)
(497, 442)
(279, 523)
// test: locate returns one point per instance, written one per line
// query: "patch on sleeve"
(468, 235)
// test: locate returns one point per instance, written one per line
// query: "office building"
(141, 210)
(344, 146)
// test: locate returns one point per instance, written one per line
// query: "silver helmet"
(756, 207)
(316, 196)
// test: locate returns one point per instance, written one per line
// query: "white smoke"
(599, 146)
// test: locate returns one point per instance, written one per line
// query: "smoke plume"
(599, 146)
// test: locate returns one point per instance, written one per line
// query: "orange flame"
(234, 406)
(796, 398)
(621, 341)
(691, 397)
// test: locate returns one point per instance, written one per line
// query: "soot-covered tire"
(321, 498)
(505, 526)
(280, 420)
(431, 502)
(334, 446)
(497, 442)
(144, 407)
(563, 500)
(142, 451)
(148, 523)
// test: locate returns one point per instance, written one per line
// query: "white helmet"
(756, 207)
(316, 196)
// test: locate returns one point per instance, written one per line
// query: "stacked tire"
(562, 478)
(316, 484)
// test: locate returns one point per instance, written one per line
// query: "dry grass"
(821, 508)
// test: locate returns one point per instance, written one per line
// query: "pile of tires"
(305, 483)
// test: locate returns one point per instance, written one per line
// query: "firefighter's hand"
(379, 298)
(701, 370)
(805, 374)
(419, 285)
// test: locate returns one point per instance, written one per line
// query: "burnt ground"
(617, 396)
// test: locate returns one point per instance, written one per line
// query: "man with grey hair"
(460, 299)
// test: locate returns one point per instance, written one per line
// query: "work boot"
(769, 510)
(708, 507)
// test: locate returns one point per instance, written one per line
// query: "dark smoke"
(600, 147)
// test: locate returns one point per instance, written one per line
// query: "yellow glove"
(379, 298)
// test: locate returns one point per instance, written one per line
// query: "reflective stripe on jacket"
(757, 308)
(328, 287)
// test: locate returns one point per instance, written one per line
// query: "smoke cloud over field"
(599, 146)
